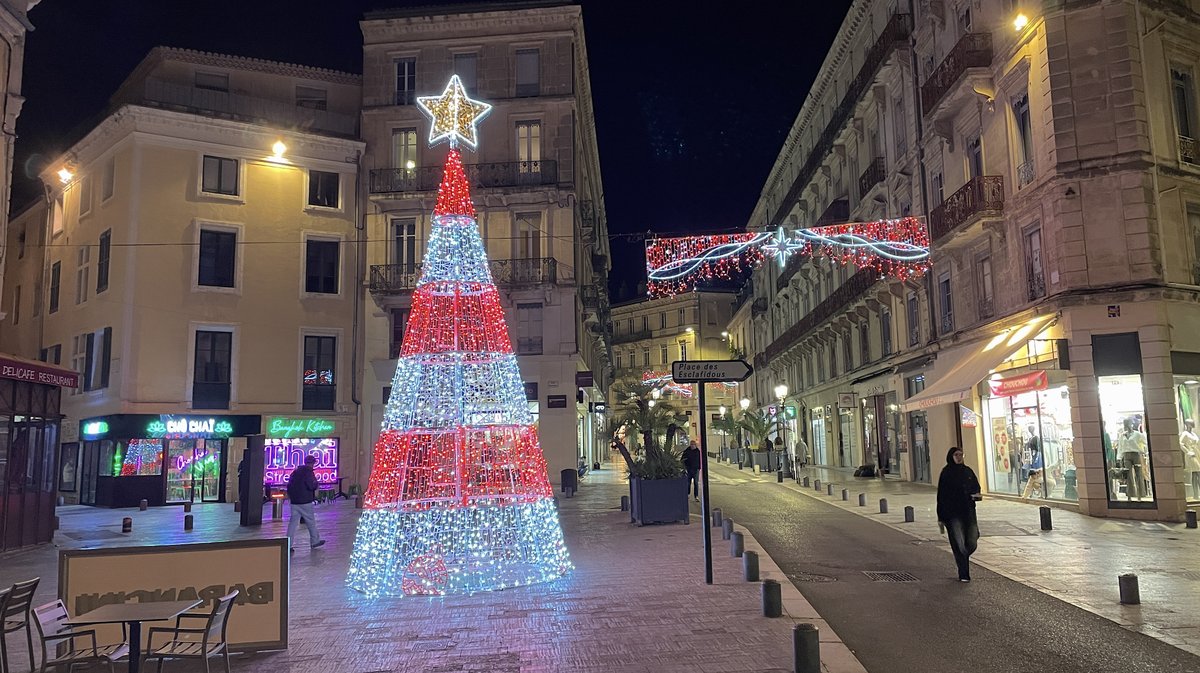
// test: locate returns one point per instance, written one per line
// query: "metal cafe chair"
(14, 616)
(53, 632)
(195, 643)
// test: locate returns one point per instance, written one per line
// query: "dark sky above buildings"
(692, 99)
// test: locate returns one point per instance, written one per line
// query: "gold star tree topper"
(454, 115)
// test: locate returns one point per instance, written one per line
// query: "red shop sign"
(1015, 385)
(37, 372)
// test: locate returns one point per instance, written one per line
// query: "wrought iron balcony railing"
(482, 176)
(974, 50)
(872, 176)
(392, 278)
(846, 294)
(1025, 173)
(1187, 150)
(983, 195)
(986, 307)
(635, 335)
(1036, 283)
(529, 345)
(838, 212)
(400, 278)
(590, 298)
(744, 293)
(947, 322)
(789, 270)
(759, 307)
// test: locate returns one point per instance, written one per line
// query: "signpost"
(701, 372)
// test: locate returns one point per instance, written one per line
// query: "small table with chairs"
(15, 603)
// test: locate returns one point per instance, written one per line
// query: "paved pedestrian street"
(636, 602)
(1078, 561)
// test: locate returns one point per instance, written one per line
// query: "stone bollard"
(570, 491)
(772, 599)
(716, 517)
(750, 566)
(187, 507)
(237, 505)
(1190, 517)
(737, 544)
(806, 482)
(845, 494)
(883, 506)
(358, 501)
(187, 522)
(127, 525)
(779, 476)
(1047, 523)
(806, 648)
(816, 484)
(1130, 594)
(828, 489)
(910, 514)
(726, 528)
(143, 505)
(862, 499)
(624, 503)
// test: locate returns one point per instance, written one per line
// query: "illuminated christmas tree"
(458, 499)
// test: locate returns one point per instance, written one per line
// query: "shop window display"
(1126, 441)
(1031, 444)
(1187, 405)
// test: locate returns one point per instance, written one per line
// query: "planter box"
(764, 460)
(658, 500)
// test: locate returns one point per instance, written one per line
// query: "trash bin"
(570, 480)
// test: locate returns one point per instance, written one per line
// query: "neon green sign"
(286, 428)
(95, 428)
(189, 426)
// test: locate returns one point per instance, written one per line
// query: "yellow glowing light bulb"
(1020, 22)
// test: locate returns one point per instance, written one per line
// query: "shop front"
(289, 440)
(30, 393)
(163, 459)
(1027, 432)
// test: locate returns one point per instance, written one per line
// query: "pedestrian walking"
(958, 490)
(302, 492)
(691, 462)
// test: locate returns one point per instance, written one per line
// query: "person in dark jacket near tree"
(691, 462)
(958, 489)
(302, 491)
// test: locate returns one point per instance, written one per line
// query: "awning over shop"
(970, 364)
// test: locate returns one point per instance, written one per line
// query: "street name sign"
(710, 371)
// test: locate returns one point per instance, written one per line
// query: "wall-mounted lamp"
(65, 175)
(1020, 22)
(279, 148)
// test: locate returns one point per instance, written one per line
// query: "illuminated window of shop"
(1030, 439)
(1125, 434)
(1187, 408)
(139, 457)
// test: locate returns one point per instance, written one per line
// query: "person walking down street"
(302, 491)
(958, 489)
(802, 452)
(691, 462)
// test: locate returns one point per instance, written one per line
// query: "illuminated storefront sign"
(168, 426)
(286, 454)
(189, 426)
(95, 428)
(278, 426)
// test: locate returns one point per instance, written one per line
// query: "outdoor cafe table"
(133, 614)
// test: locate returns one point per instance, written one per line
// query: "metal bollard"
(845, 494)
(624, 503)
(570, 491)
(716, 517)
(828, 489)
(862, 499)
(816, 484)
(127, 525)
(143, 504)
(1130, 594)
(726, 528)
(910, 514)
(750, 566)
(237, 505)
(1190, 517)
(806, 482)
(187, 522)
(1047, 523)
(737, 544)
(772, 599)
(806, 648)
(276, 509)
(187, 507)
(883, 506)
(358, 501)
(779, 476)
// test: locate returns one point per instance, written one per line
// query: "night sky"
(691, 107)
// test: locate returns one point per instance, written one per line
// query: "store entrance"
(918, 428)
(194, 468)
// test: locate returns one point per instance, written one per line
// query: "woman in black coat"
(958, 489)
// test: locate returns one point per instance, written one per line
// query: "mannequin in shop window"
(1131, 451)
(1189, 442)
(1037, 471)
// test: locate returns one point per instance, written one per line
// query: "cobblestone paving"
(1078, 561)
(636, 602)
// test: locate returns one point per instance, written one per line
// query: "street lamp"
(781, 392)
(744, 403)
(724, 431)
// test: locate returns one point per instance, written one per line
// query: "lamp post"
(724, 431)
(781, 392)
(744, 403)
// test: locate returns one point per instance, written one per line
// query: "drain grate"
(810, 577)
(890, 576)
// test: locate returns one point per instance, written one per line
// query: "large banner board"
(258, 569)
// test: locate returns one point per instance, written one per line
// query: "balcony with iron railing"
(186, 98)
(894, 35)
(401, 278)
(633, 335)
(1035, 283)
(789, 270)
(744, 294)
(838, 212)
(947, 323)
(874, 175)
(974, 50)
(986, 307)
(480, 176)
(1187, 151)
(759, 307)
(981, 197)
(841, 298)
(1025, 173)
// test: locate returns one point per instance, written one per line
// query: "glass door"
(180, 455)
(194, 469)
(209, 459)
(918, 428)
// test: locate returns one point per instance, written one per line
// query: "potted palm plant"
(758, 428)
(658, 484)
(727, 426)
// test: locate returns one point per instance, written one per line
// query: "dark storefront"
(29, 470)
(163, 459)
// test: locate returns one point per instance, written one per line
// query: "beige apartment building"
(194, 263)
(1055, 338)
(650, 334)
(535, 182)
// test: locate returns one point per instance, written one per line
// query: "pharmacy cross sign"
(710, 371)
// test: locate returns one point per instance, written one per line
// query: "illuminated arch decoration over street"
(896, 248)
